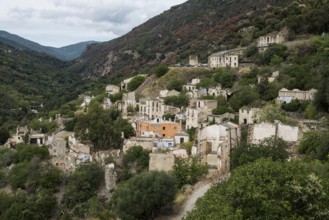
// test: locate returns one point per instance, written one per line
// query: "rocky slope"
(194, 27)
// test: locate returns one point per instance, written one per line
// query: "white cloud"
(63, 22)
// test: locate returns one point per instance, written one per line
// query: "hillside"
(67, 53)
(195, 27)
(29, 79)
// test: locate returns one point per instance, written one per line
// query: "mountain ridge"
(66, 53)
(194, 27)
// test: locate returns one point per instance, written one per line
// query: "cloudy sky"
(63, 22)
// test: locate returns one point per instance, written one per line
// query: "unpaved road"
(190, 202)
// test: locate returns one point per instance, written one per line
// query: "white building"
(259, 132)
(286, 96)
(199, 113)
(86, 101)
(128, 101)
(106, 103)
(248, 115)
(218, 91)
(124, 83)
(193, 86)
(215, 143)
(155, 108)
(181, 138)
(273, 38)
(223, 59)
(165, 93)
(193, 60)
(112, 89)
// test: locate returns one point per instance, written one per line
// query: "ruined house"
(273, 38)
(259, 132)
(112, 89)
(248, 115)
(199, 113)
(215, 143)
(157, 128)
(193, 60)
(223, 59)
(155, 108)
(286, 96)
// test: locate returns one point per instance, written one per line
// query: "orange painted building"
(157, 128)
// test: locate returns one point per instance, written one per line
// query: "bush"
(161, 70)
(188, 170)
(145, 195)
(221, 110)
(4, 135)
(178, 101)
(25, 152)
(268, 189)
(276, 149)
(135, 83)
(83, 184)
(175, 85)
(135, 160)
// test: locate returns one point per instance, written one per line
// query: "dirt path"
(190, 202)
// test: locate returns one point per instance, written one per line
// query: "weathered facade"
(274, 38)
(287, 96)
(193, 60)
(157, 128)
(248, 115)
(199, 113)
(161, 162)
(215, 143)
(112, 89)
(155, 108)
(223, 59)
(259, 132)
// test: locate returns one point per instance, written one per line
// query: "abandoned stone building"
(215, 143)
(223, 59)
(127, 103)
(259, 132)
(199, 113)
(248, 115)
(157, 128)
(155, 108)
(273, 38)
(286, 96)
(112, 89)
(193, 60)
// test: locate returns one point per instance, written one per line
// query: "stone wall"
(161, 162)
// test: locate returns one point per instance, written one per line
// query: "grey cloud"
(99, 17)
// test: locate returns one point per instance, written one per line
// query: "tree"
(206, 83)
(182, 100)
(135, 160)
(176, 85)
(161, 70)
(82, 185)
(268, 189)
(4, 135)
(274, 148)
(225, 78)
(97, 127)
(135, 83)
(145, 195)
(315, 145)
(6, 157)
(244, 96)
(188, 170)
(274, 50)
(23, 206)
(25, 152)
